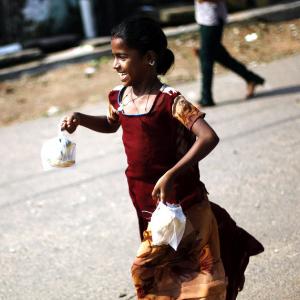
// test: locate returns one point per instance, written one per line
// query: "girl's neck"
(146, 86)
(139, 99)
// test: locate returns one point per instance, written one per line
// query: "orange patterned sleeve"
(185, 112)
(112, 115)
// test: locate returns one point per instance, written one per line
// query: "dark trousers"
(212, 50)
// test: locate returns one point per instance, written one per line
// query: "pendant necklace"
(133, 101)
(123, 105)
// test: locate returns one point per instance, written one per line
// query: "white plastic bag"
(167, 225)
(58, 152)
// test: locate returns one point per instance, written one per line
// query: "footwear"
(196, 51)
(251, 86)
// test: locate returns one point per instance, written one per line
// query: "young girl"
(164, 138)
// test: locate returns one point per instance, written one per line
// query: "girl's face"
(131, 66)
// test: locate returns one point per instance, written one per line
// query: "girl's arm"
(206, 141)
(96, 123)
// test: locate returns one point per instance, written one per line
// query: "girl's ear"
(150, 58)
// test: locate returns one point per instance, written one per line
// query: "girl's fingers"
(69, 123)
(63, 124)
(162, 197)
(154, 193)
(158, 195)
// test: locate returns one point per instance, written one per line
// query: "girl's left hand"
(163, 187)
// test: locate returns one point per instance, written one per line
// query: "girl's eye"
(123, 57)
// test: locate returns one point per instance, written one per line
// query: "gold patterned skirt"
(194, 271)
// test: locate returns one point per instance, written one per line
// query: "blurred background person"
(211, 15)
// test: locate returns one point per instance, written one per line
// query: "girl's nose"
(116, 64)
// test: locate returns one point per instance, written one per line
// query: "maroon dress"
(154, 142)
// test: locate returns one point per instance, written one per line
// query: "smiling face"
(132, 67)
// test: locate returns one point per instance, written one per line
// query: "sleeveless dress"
(153, 143)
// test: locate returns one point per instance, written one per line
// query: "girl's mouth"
(123, 76)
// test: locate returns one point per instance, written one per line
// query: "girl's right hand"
(70, 123)
(162, 190)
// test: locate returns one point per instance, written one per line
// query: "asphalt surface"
(72, 233)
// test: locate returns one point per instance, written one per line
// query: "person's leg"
(223, 57)
(208, 40)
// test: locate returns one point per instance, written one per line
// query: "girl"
(164, 138)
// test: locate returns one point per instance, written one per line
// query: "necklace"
(132, 99)
(122, 105)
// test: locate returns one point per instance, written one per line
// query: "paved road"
(71, 234)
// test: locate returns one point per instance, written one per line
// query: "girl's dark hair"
(144, 34)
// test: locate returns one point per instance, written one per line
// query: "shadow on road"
(265, 94)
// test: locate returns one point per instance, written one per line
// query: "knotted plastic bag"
(167, 225)
(58, 152)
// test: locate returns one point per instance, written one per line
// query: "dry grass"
(69, 88)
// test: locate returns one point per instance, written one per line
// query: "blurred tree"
(21, 20)
(51, 17)
(11, 20)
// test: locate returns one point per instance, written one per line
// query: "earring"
(152, 63)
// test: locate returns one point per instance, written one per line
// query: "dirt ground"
(69, 87)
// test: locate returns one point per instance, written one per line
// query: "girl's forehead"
(119, 43)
